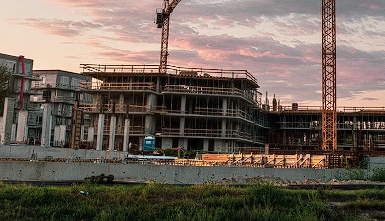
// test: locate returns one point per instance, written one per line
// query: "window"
(47, 94)
(64, 81)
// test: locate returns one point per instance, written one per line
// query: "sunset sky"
(278, 41)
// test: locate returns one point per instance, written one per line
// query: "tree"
(5, 76)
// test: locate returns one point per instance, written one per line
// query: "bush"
(378, 175)
(192, 154)
(170, 152)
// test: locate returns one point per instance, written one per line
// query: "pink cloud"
(58, 27)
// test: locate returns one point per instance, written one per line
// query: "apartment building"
(51, 107)
(14, 108)
(190, 108)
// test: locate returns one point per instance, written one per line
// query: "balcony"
(147, 86)
(210, 90)
(34, 107)
(220, 112)
(108, 108)
(58, 99)
(210, 133)
(134, 130)
(41, 85)
(205, 111)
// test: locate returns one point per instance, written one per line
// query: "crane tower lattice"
(329, 106)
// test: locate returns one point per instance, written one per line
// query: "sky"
(277, 41)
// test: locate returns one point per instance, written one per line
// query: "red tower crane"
(163, 21)
(329, 88)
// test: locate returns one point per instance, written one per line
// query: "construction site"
(219, 114)
(221, 111)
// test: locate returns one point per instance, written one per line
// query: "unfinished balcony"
(116, 86)
(215, 91)
(109, 108)
(206, 133)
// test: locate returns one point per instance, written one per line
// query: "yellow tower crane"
(329, 88)
(163, 21)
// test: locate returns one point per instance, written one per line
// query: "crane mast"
(329, 91)
(163, 21)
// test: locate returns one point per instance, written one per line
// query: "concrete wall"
(376, 162)
(30, 170)
(169, 174)
(23, 151)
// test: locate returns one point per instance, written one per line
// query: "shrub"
(378, 175)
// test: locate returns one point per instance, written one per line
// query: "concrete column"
(150, 120)
(22, 126)
(183, 143)
(181, 125)
(62, 135)
(224, 113)
(13, 132)
(82, 133)
(99, 136)
(111, 145)
(205, 144)
(355, 131)
(119, 124)
(166, 143)
(183, 104)
(151, 102)
(121, 103)
(141, 142)
(224, 128)
(126, 135)
(158, 84)
(56, 135)
(6, 129)
(190, 108)
(218, 145)
(91, 133)
(99, 103)
(46, 125)
(224, 106)
(284, 132)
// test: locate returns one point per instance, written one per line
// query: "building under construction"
(358, 129)
(194, 109)
(209, 110)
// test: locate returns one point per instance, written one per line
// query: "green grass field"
(200, 202)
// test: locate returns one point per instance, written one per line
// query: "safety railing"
(117, 86)
(108, 108)
(343, 109)
(40, 98)
(41, 85)
(170, 69)
(210, 90)
(218, 111)
(189, 132)
(119, 130)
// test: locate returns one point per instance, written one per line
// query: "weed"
(158, 201)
